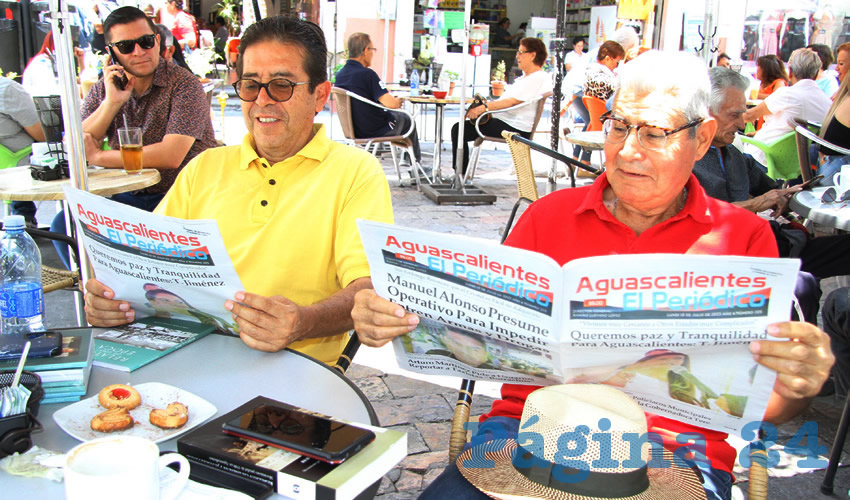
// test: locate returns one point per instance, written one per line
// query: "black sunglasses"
(126, 46)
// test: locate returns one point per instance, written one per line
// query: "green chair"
(782, 161)
(9, 159)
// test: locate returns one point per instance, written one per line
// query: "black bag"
(477, 100)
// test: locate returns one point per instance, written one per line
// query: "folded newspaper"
(163, 266)
(673, 331)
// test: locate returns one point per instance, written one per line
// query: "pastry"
(119, 396)
(173, 416)
(115, 419)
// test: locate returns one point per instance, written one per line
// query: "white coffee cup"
(124, 467)
(841, 179)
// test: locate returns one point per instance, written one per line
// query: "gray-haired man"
(356, 77)
(803, 99)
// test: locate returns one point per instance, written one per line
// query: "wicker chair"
(803, 136)
(476, 151)
(343, 98)
(525, 184)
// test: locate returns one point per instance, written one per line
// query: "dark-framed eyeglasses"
(279, 89)
(830, 195)
(616, 131)
(127, 46)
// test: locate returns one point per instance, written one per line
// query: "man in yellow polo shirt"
(286, 201)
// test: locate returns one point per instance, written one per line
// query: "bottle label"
(21, 300)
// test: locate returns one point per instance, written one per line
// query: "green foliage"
(498, 73)
(228, 10)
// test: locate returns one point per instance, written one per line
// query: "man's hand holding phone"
(114, 76)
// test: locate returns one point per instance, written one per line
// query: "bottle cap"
(14, 222)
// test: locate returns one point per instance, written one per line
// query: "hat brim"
(503, 481)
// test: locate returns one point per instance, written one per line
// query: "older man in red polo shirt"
(647, 202)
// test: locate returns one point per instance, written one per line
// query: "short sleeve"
(778, 100)
(93, 99)
(376, 86)
(369, 199)
(530, 87)
(18, 105)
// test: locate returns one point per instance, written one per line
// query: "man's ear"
(169, 52)
(705, 134)
(322, 92)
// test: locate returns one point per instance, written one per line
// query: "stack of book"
(66, 376)
(258, 469)
(132, 346)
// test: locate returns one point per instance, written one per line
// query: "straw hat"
(581, 409)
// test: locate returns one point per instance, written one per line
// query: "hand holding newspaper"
(163, 266)
(673, 331)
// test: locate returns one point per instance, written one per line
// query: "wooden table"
(225, 372)
(808, 204)
(438, 139)
(16, 183)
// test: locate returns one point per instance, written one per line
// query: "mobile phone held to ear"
(298, 431)
(120, 82)
(42, 345)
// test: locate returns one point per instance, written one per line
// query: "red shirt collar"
(695, 206)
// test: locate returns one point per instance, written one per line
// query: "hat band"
(597, 484)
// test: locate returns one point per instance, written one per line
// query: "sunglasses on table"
(127, 46)
(279, 89)
(831, 196)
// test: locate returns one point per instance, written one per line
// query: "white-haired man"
(647, 201)
(803, 99)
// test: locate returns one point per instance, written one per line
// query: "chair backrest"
(782, 158)
(521, 155)
(541, 105)
(343, 111)
(595, 108)
(803, 154)
(9, 158)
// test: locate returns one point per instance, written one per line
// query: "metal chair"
(476, 151)
(803, 136)
(342, 98)
(53, 279)
(782, 161)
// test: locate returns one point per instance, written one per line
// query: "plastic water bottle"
(21, 294)
(414, 83)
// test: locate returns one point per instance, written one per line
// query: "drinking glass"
(131, 149)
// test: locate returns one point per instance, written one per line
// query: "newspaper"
(673, 331)
(163, 266)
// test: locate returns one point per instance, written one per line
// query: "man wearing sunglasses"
(165, 100)
(286, 201)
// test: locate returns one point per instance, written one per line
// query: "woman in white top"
(533, 83)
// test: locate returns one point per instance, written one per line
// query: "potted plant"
(453, 77)
(497, 79)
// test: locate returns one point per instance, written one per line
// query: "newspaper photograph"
(163, 266)
(673, 331)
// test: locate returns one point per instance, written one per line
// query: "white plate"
(75, 419)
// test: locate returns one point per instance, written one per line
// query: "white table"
(225, 372)
(808, 204)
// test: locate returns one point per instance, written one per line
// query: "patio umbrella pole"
(69, 94)
(457, 193)
(559, 45)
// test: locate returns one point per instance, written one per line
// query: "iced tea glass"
(131, 149)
